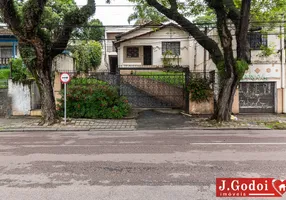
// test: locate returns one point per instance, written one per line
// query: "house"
(282, 187)
(109, 61)
(262, 89)
(8, 46)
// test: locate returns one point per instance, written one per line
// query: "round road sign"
(65, 78)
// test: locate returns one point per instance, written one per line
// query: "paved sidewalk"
(149, 120)
(28, 123)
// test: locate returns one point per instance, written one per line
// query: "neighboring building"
(8, 46)
(262, 89)
(109, 61)
(25, 100)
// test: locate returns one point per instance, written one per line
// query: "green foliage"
(241, 66)
(4, 76)
(169, 58)
(87, 55)
(20, 73)
(4, 73)
(88, 98)
(171, 78)
(143, 13)
(267, 51)
(200, 89)
(92, 30)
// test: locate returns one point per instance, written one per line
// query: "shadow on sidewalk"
(162, 119)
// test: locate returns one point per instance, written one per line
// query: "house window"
(132, 52)
(6, 52)
(256, 40)
(173, 47)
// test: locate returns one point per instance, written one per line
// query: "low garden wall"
(3, 102)
(157, 89)
(205, 107)
(20, 98)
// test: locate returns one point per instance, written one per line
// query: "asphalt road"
(134, 165)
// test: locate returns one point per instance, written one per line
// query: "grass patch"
(4, 76)
(172, 78)
(4, 73)
(276, 125)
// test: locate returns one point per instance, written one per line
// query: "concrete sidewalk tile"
(72, 129)
(39, 129)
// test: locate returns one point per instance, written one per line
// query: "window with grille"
(173, 47)
(132, 52)
(256, 40)
(6, 52)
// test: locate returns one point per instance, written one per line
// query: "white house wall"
(155, 40)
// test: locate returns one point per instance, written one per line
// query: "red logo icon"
(250, 187)
(279, 186)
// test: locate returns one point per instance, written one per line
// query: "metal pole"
(65, 100)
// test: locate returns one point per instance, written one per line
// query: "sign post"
(65, 78)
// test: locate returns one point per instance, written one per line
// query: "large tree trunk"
(225, 100)
(48, 106)
(42, 74)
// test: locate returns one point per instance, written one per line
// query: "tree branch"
(10, 15)
(71, 21)
(174, 5)
(233, 13)
(243, 48)
(224, 35)
(32, 12)
(206, 42)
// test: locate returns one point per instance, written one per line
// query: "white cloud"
(111, 15)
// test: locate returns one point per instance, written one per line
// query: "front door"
(147, 55)
(113, 64)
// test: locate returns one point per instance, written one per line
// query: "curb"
(224, 128)
(43, 129)
(37, 129)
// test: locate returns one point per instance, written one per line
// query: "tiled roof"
(161, 27)
(5, 31)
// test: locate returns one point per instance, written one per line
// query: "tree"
(143, 14)
(230, 69)
(92, 30)
(39, 44)
(87, 55)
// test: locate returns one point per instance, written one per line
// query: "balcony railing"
(4, 61)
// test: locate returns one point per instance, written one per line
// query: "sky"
(111, 14)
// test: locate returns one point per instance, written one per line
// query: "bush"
(200, 89)
(94, 100)
(20, 73)
(87, 55)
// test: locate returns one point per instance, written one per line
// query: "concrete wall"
(63, 63)
(20, 98)
(4, 101)
(235, 104)
(57, 87)
(206, 107)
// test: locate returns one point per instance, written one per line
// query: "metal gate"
(153, 88)
(257, 97)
